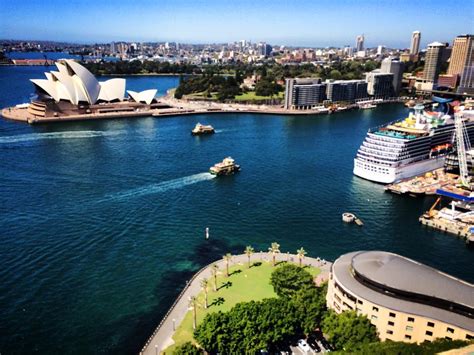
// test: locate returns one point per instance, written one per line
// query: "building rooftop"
(404, 285)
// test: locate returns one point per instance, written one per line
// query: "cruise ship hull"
(390, 175)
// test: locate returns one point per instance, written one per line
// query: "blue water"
(103, 222)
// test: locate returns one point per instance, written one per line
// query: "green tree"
(310, 305)
(214, 270)
(187, 348)
(348, 330)
(227, 258)
(301, 253)
(193, 304)
(288, 279)
(274, 249)
(335, 74)
(204, 284)
(249, 251)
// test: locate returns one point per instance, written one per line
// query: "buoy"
(207, 232)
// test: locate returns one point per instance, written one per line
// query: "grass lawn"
(250, 96)
(242, 285)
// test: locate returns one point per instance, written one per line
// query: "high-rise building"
(466, 85)
(112, 47)
(360, 43)
(304, 93)
(460, 54)
(380, 49)
(395, 67)
(433, 60)
(346, 90)
(415, 42)
(379, 85)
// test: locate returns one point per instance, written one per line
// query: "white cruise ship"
(409, 147)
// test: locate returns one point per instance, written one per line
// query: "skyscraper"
(466, 84)
(433, 61)
(112, 47)
(395, 67)
(460, 54)
(415, 42)
(360, 43)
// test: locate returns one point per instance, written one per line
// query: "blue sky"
(298, 22)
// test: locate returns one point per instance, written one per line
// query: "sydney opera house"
(73, 92)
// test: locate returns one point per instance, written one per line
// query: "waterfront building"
(304, 93)
(380, 85)
(395, 67)
(72, 89)
(406, 300)
(433, 60)
(415, 43)
(346, 90)
(360, 43)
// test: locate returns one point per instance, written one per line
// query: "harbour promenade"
(162, 336)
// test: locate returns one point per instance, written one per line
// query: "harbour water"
(103, 222)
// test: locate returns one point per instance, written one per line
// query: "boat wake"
(161, 187)
(57, 135)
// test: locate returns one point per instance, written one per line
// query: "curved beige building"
(405, 300)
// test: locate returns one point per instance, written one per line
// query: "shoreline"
(161, 338)
(178, 108)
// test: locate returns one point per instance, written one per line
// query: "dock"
(459, 228)
(426, 184)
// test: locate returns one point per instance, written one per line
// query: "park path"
(162, 336)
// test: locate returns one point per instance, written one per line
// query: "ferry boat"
(367, 106)
(226, 167)
(409, 147)
(202, 129)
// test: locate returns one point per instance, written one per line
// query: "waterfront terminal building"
(406, 301)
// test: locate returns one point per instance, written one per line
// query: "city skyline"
(278, 22)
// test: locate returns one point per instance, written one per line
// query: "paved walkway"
(161, 337)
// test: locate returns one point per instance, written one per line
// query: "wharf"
(456, 227)
(426, 184)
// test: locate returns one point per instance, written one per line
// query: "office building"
(415, 42)
(460, 54)
(406, 301)
(112, 47)
(433, 60)
(360, 43)
(380, 49)
(304, 93)
(395, 67)
(466, 84)
(380, 85)
(346, 90)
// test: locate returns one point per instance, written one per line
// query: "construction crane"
(430, 213)
(463, 146)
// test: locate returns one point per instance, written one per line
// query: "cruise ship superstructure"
(409, 147)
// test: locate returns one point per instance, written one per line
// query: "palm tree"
(301, 253)
(227, 259)
(249, 251)
(192, 303)
(214, 269)
(274, 249)
(204, 284)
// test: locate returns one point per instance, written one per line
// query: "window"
(429, 333)
(408, 337)
(469, 337)
(360, 302)
(375, 309)
(448, 338)
(430, 324)
(389, 331)
(450, 330)
(391, 323)
(374, 317)
(391, 314)
(337, 306)
(409, 328)
(411, 319)
(337, 297)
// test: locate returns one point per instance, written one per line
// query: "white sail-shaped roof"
(113, 89)
(74, 83)
(146, 96)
